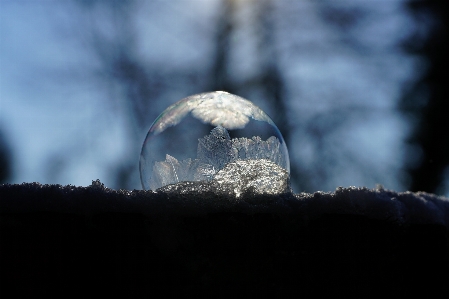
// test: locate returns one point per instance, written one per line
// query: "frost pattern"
(216, 151)
(259, 176)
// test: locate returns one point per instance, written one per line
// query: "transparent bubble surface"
(219, 138)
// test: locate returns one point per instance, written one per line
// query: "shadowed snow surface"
(196, 198)
(196, 238)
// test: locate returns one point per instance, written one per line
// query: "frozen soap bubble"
(217, 137)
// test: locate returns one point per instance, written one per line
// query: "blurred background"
(358, 88)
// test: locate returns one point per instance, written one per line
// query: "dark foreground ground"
(95, 241)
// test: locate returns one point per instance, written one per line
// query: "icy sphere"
(217, 137)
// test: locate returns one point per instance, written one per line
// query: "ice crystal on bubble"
(219, 138)
(216, 148)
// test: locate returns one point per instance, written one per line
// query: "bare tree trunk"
(220, 65)
(431, 132)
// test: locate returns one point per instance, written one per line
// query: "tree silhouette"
(5, 160)
(267, 81)
(220, 79)
(426, 102)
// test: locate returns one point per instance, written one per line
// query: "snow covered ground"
(353, 242)
(202, 197)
